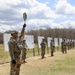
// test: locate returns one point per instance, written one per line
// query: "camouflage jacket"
(63, 44)
(43, 44)
(14, 45)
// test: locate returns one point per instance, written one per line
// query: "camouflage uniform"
(43, 46)
(68, 45)
(15, 51)
(24, 51)
(63, 47)
(73, 44)
(52, 46)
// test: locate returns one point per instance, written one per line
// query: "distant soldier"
(68, 45)
(43, 46)
(52, 46)
(24, 51)
(15, 51)
(73, 44)
(64, 46)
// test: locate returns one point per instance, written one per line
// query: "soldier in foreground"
(64, 46)
(24, 51)
(52, 46)
(15, 51)
(43, 46)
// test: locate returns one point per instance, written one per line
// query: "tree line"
(54, 33)
(68, 33)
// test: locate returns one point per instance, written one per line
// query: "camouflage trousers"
(64, 50)
(42, 52)
(15, 68)
(23, 55)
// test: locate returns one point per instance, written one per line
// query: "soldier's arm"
(22, 32)
(11, 48)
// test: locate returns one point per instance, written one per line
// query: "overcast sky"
(41, 14)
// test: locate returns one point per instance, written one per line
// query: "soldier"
(15, 51)
(24, 51)
(73, 44)
(68, 45)
(63, 46)
(52, 46)
(43, 46)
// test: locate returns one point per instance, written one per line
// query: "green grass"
(65, 66)
(60, 64)
(5, 55)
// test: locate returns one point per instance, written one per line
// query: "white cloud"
(64, 8)
(6, 4)
(39, 14)
(38, 10)
(68, 24)
(12, 10)
(51, 24)
(39, 22)
(65, 24)
(3, 28)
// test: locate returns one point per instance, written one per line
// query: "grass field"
(4, 56)
(60, 64)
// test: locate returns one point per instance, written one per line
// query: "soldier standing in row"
(15, 51)
(68, 45)
(73, 44)
(52, 46)
(43, 46)
(24, 51)
(64, 46)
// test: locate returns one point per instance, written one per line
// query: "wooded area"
(55, 33)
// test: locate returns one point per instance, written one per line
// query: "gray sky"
(41, 14)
